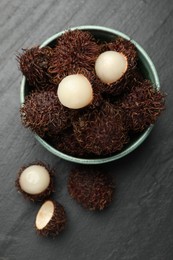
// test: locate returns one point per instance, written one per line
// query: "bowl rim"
(128, 150)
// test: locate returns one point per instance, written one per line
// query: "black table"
(139, 223)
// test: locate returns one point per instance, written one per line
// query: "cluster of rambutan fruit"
(86, 97)
(90, 187)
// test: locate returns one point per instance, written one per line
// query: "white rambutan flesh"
(34, 179)
(75, 91)
(110, 66)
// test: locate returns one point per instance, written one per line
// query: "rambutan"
(51, 219)
(66, 142)
(43, 113)
(101, 131)
(134, 79)
(96, 86)
(34, 65)
(142, 106)
(35, 181)
(125, 47)
(91, 188)
(128, 50)
(74, 49)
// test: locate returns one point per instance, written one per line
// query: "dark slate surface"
(139, 223)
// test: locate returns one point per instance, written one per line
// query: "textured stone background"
(139, 223)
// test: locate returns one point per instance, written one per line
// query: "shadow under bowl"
(148, 69)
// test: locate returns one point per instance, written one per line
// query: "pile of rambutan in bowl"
(89, 94)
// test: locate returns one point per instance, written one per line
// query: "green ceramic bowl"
(148, 70)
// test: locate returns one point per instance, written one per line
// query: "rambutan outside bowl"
(148, 69)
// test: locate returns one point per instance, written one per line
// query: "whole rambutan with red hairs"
(101, 131)
(142, 106)
(91, 188)
(34, 65)
(74, 49)
(135, 78)
(66, 142)
(43, 113)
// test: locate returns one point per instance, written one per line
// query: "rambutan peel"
(51, 219)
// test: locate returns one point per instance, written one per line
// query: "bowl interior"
(147, 68)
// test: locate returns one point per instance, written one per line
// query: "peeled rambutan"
(95, 83)
(128, 49)
(142, 106)
(91, 188)
(101, 131)
(74, 49)
(43, 113)
(34, 65)
(125, 47)
(35, 181)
